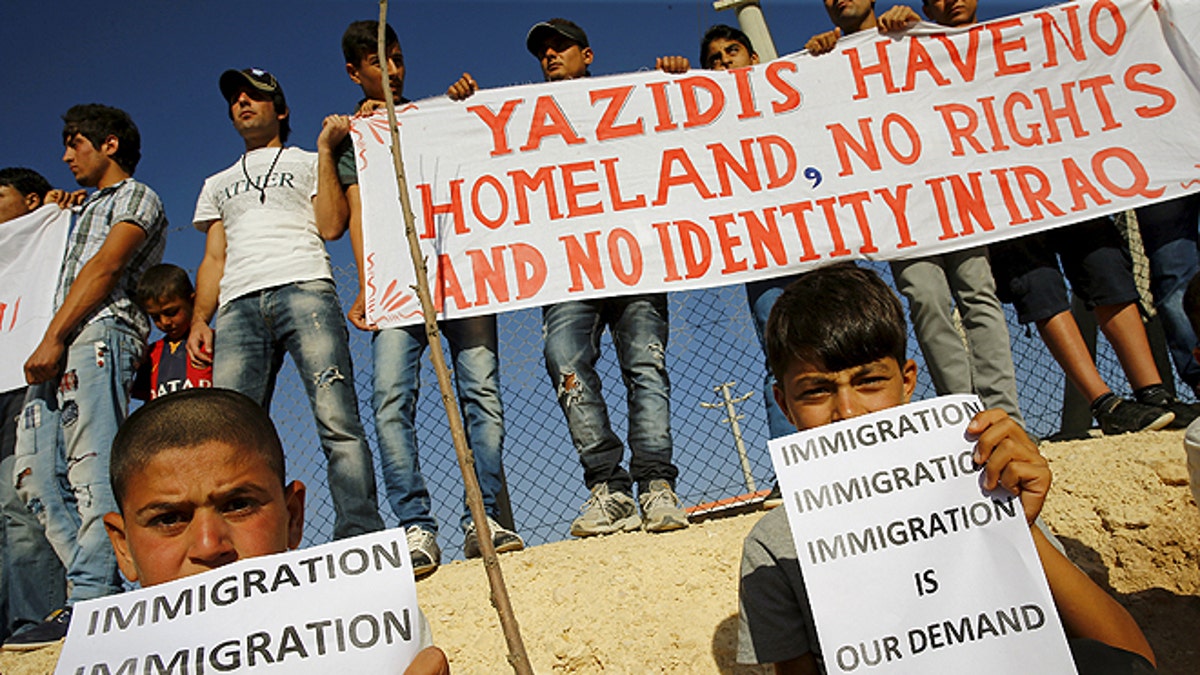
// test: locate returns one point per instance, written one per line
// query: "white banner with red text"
(31, 253)
(887, 147)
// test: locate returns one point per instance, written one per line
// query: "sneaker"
(1119, 416)
(774, 498)
(47, 633)
(661, 511)
(423, 547)
(503, 539)
(1158, 397)
(606, 512)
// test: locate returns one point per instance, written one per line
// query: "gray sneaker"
(503, 539)
(606, 512)
(661, 511)
(423, 547)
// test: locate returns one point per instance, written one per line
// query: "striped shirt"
(127, 201)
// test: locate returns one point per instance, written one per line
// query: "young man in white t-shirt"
(266, 218)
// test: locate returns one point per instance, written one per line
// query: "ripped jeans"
(64, 440)
(304, 319)
(572, 346)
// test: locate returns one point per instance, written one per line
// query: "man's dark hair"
(1191, 303)
(97, 122)
(834, 318)
(722, 32)
(188, 419)
(25, 181)
(362, 38)
(163, 282)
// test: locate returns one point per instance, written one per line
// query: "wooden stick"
(466, 459)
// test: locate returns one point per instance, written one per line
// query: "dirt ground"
(638, 603)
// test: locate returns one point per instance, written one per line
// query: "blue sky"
(160, 62)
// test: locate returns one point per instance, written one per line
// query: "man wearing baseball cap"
(638, 324)
(266, 219)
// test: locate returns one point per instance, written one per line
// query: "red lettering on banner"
(488, 275)
(1010, 104)
(893, 120)
(448, 286)
(1132, 84)
(1141, 179)
(614, 188)
(606, 128)
(989, 114)
(581, 261)
(741, 80)
(1096, 86)
(694, 115)
(777, 177)
(1001, 48)
(454, 208)
(919, 61)
(728, 242)
(529, 266)
(501, 199)
(747, 171)
(1109, 47)
(960, 132)
(797, 210)
(791, 95)
(964, 64)
(1036, 197)
(668, 251)
(697, 250)
(856, 200)
(882, 68)
(497, 123)
(1067, 112)
(523, 183)
(549, 120)
(969, 200)
(1010, 202)
(3, 309)
(573, 190)
(867, 151)
(897, 203)
(835, 230)
(662, 108)
(1074, 43)
(1081, 187)
(668, 179)
(629, 274)
(764, 238)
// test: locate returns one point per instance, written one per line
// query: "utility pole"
(750, 19)
(732, 418)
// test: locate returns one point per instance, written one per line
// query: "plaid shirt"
(127, 201)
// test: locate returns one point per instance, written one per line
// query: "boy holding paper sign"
(836, 343)
(198, 477)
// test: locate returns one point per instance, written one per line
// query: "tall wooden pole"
(466, 460)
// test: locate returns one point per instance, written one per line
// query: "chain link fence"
(712, 341)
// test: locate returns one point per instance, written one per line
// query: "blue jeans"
(1169, 235)
(762, 296)
(32, 580)
(305, 320)
(572, 346)
(62, 457)
(397, 353)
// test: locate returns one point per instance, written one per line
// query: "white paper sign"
(31, 253)
(345, 607)
(888, 147)
(909, 566)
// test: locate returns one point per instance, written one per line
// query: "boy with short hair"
(166, 294)
(836, 342)
(397, 352)
(199, 483)
(89, 355)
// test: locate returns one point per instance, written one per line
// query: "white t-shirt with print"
(269, 241)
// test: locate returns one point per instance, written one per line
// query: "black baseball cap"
(257, 78)
(540, 31)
